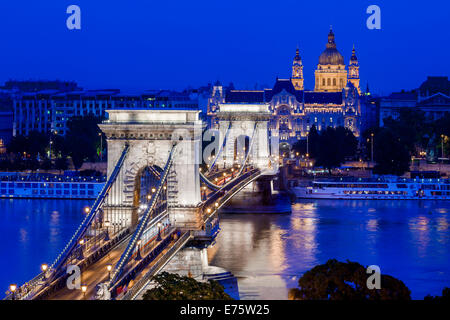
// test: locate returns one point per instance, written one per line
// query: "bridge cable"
(87, 221)
(221, 147)
(217, 187)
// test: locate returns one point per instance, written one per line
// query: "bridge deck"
(97, 272)
(93, 275)
(156, 265)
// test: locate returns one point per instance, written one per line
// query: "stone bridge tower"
(249, 121)
(150, 135)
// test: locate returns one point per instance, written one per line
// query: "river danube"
(409, 240)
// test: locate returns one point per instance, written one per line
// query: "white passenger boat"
(47, 186)
(376, 188)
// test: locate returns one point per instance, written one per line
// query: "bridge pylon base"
(186, 218)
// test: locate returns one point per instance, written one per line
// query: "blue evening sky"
(141, 44)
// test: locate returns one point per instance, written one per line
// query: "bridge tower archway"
(247, 120)
(150, 135)
(241, 148)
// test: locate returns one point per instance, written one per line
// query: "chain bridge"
(159, 197)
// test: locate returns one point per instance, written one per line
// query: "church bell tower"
(353, 70)
(297, 72)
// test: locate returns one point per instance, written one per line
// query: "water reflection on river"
(33, 232)
(407, 239)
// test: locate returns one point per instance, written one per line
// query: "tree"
(37, 143)
(60, 146)
(173, 287)
(334, 146)
(300, 146)
(411, 127)
(444, 298)
(32, 164)
(313, 141)
(18, 145)
(336, 280)
(83, 139)
(391, 155)
(61, 164)
(33, 144)
(46, 164)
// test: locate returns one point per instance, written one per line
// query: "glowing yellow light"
(13, 287)
(44, 267)
(87, 209)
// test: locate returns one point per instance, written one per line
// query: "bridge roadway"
(97, 272)
(93, 275)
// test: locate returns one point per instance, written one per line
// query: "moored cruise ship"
(49, 186)
(376, 188)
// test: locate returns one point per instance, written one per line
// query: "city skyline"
(132, 48)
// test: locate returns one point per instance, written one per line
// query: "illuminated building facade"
(335, 100)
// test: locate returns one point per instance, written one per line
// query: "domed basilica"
(334, 102)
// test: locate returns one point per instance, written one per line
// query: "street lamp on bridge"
(107, 225)
(138, 253)
(158, 238)
(109, 268)
(83, 290)
(13, 288)
(44, 268)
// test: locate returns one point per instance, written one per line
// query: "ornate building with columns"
(335, 100)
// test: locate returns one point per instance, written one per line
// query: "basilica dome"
(331, 55)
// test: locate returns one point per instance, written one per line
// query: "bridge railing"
(28, 288)
(228, 193)
(157, 267)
